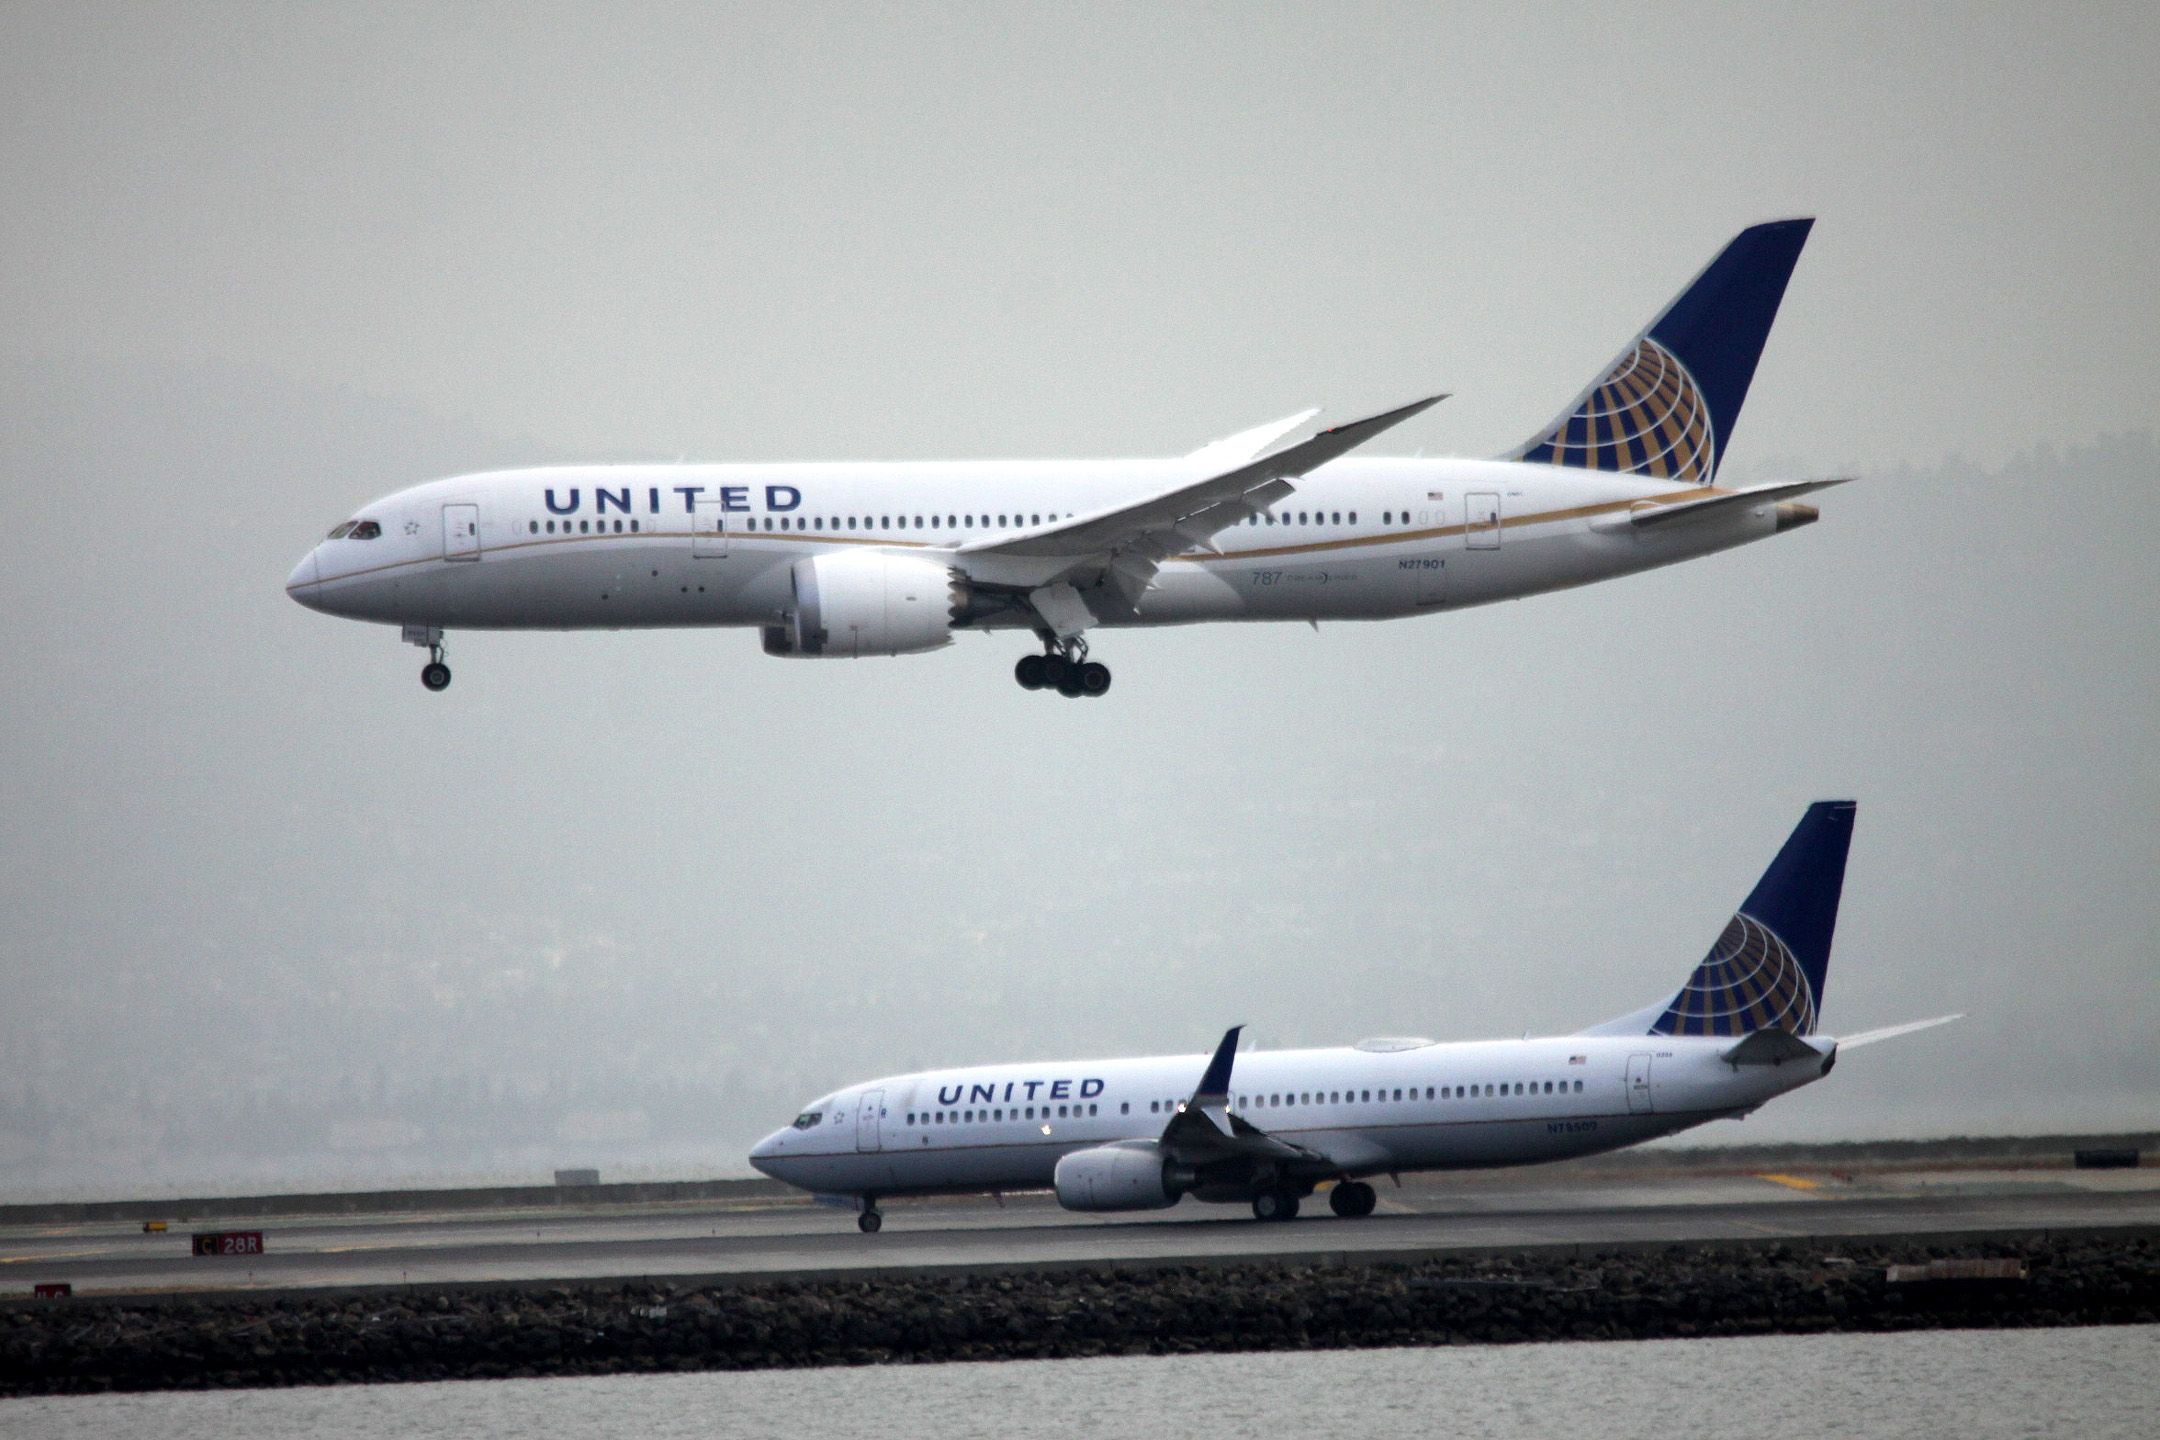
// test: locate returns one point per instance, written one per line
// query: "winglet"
(1215, 1084)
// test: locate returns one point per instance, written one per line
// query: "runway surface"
(773, 1238)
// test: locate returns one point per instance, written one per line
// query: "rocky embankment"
(73, 1346)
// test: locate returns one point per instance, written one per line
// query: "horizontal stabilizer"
(1649, 514)
(1770, 1047)
(1891, 1032)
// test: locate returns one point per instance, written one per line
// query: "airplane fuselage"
(1429, 1107)
(618, 547)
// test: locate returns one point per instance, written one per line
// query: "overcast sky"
(265, 263)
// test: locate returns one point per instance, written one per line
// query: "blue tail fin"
(1766, 971)
(1667, 406)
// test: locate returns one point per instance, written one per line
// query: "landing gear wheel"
(1054, 670)
(1275, 1205)
(1352, 1199)
(1071, 686)
(869, 1222)
(1029, 672)
(435, 675)
(1094, 678)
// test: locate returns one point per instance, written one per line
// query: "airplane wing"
(1093, 567)
(1651, 513)
(1204, 1129)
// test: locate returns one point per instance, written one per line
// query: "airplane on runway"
(843, 560)
(1269, 1128)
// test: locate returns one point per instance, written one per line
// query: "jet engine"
(1127, 1175)
(869, 603)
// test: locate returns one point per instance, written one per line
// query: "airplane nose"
(766, 1151)
(305, 581)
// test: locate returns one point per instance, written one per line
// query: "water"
(1954, 1383)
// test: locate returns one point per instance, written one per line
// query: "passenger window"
(1061, 1113)
(1124, 1107)
(1336, 518)
(1353, 517)
(633, 527)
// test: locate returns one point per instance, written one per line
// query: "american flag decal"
(1578, 1059)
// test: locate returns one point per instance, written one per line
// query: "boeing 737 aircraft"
(844, 560)
(1268, 1128)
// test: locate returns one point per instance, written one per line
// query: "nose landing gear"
(869, 1221)
(435, 675)
(1064, 667)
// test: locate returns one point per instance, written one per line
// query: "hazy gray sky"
(267, 262)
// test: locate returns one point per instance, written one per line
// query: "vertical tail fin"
(1667, 406)
(1767, 971)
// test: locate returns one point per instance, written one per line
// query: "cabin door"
(1638, 1085)
(867, 1115)
(460, 532)
(1481, 521)
(708, 530)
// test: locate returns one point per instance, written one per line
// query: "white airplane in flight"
(1268, 1128)
(841, 560)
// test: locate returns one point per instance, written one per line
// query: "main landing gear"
(1352, 1199)
(435, 675)
(1065, 668)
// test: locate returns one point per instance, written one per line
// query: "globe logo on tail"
(1646, 416)
(1749, 981)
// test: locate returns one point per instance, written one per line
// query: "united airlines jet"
(1269, 1128)
(835, 560)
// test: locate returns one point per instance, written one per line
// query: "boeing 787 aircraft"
(1268, 1128)
(838, 560)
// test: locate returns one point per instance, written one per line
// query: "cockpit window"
(343, 530)
(364, 530)
(808, 1119)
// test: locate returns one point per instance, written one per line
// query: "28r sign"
(228, 1242)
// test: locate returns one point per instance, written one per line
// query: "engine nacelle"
(869, 603)
(1127, 1175)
